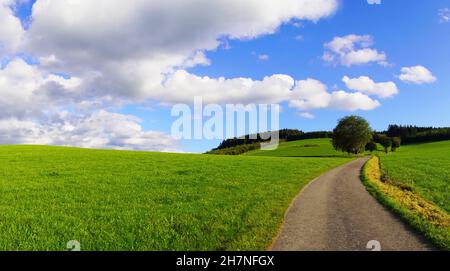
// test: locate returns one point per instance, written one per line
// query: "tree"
(352, 134)
(396, 143)
(386, 142)
(371, 146)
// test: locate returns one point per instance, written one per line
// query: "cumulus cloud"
(353, 50)
(352, 101)
(306, 94)
(417, 75)
(312, 94)
(102, 129)
(11, 30)
(131, 55)
(30, 98)
(96, 54)
(366, 85)
(182, 86)
(27, 91)
(88, 61)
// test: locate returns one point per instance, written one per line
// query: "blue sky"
(409, 33)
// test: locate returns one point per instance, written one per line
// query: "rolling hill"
(119, 200)
(303, 148)
(123, 200)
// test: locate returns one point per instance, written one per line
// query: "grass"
(118, 200)
(425, 168)
(428, 218)
(303, 148)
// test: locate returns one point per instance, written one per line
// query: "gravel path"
(335, 212)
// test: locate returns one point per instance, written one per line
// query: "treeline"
(256, 138)
(415, 134)
(388, 143)
(395, 136)
(238, 150)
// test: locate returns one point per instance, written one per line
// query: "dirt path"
(335, 212)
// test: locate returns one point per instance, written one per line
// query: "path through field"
(335, 212)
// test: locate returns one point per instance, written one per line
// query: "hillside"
(302, 148)
(119, 200)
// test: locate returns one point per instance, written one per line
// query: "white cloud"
(352, 101)
(100, 130)
(182, 86)
(374, 2)
(306, 115)
(353, 50)
(139, 51)
(10, 29)
(366, 85)
(29, 98)
(25, 90)
(311, 94)
(131, 55)
(417, 75)
(304, 94)
(444, 15)
(263, 57)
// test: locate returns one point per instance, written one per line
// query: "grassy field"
(426, 217)
(115, 200)
(415, 183)
(423, 167)
(302, 148)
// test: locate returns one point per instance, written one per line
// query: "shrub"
(386, 142)
(396, 142)
(371, 146)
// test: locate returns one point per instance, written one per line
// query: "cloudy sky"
(104, 73)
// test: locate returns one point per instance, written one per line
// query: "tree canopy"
(352, 135)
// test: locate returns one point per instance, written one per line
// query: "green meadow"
(119, 200)
(303, 148)
(414, 182)
(425, 168)
(123, 200)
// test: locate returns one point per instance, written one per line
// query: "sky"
(106, 74)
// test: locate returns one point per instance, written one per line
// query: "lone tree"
(352, 135)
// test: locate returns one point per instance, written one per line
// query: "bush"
(385, 141)
(371, 146)
(396, 142)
